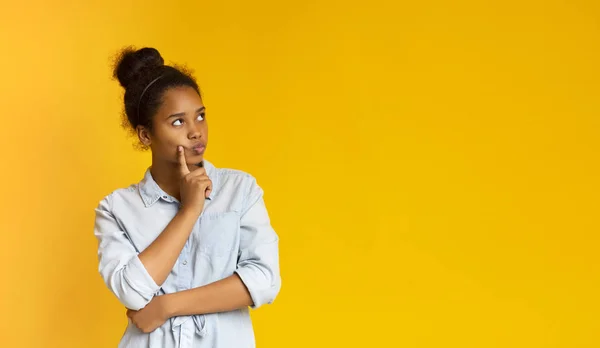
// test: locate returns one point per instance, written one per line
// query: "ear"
(144, 135)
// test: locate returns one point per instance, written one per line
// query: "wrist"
(190, 212)
(168, 305)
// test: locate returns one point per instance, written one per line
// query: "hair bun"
(131, 64)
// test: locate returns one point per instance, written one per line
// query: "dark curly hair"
(145, 78)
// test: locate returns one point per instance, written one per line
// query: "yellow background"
(431, 166)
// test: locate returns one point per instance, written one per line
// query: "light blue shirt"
(232, 235)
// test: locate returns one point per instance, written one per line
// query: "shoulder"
(235, 175)
(119, 196)
(230, 175)
(235, 181)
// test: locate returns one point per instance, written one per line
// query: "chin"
(196, 158)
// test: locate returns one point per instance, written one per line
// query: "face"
(180, 120)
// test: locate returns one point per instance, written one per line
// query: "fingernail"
(179, 148)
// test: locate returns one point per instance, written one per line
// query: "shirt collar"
(151, 192)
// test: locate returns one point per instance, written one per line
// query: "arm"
(160, 256)
(134, 278)
(224, 295)
(221, 296)
(256, 280)
(258, 259)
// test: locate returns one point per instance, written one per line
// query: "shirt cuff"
(139, 279)
(260, 292)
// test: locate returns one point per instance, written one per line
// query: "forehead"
(180, 99)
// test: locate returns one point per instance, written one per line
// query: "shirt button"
(184, 262)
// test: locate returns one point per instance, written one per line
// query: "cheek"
(165, 139)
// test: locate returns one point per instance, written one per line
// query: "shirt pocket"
(218, 233)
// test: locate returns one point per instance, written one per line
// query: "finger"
(183, 168)
(198, 172)
(208, 189)
(203, 181)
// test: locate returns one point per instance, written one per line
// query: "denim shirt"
(233, 234)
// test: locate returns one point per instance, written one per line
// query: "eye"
(201, 117)
(177, 122)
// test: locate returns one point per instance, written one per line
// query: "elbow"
(133, 303)
(263, 283)
(268, 293)
(127, 295)
(132, 300)
(131, 289)
(271, 294)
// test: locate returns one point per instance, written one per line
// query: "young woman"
(190, 247)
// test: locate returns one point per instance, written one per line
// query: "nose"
(194, 132)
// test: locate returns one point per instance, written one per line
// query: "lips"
(199, 147)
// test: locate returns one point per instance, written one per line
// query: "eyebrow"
(183, 113)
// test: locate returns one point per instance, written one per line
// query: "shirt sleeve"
(119, 264)
(258, 259)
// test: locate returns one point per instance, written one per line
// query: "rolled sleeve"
(119, 264)
(258, 259)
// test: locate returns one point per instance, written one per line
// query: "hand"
(150, 317)
(195, 186)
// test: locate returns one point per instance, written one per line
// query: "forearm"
(160, 256)
(221, 296)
